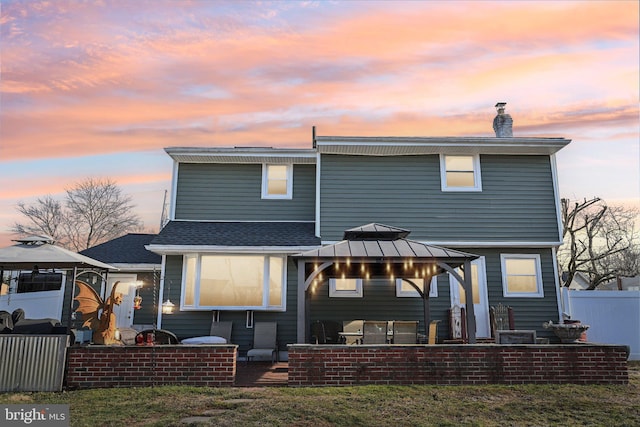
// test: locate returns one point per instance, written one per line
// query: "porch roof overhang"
(241, 155)
(179, 237)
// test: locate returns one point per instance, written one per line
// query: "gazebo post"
(471, 315)
(303, 302)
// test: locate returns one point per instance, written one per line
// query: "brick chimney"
(502, 123)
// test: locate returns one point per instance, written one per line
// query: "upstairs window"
(277, 181)
(521, 275)
(460, 173)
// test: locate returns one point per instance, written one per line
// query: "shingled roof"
(198, 233)
(127, 249)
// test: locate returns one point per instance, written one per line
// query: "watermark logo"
(34, 415)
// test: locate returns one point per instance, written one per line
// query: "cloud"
(84, 81)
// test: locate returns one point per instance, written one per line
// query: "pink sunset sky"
(99, 88)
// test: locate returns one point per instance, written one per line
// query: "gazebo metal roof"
(380, 241)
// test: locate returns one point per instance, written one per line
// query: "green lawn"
(493, 405)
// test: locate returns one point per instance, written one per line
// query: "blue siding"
(232, 192)
(517, 202)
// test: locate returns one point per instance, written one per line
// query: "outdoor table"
(358, 336)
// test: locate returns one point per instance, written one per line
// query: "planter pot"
(568, 332)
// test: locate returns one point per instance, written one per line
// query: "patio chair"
(501, 319)
(264, 341)
(374, 332)
(405, 332)
(317, 333)
(354, 327)
(6, 323)
(221, 329)
(332, 331)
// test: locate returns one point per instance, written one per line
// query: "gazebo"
(36, 253)
(382, 251)
(37, 362)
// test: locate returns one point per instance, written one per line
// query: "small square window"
(277, 181)
(345, 288)
(521, 275)
(460, 173)
(405, 290)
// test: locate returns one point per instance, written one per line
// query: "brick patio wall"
(133, 366)
(344, 365)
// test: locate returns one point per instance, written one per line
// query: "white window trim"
(477, 179)
(539, 288)
(433, 290)
(265, 182)
(265, 296)
(336, 293)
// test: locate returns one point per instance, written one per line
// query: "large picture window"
(460, 173)
(234, 282)
(521, 275)
(277, 181)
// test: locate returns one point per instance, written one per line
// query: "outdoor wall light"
(167, 307)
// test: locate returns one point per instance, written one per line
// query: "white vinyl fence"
(613, 316)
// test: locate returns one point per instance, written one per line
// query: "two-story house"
(239, 216)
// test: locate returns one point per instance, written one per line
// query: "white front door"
(124, 311)
(480, 301)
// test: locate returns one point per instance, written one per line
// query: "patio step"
(262, 374)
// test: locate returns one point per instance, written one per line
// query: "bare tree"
(45, 216)
(599, 241)
(95, 210)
